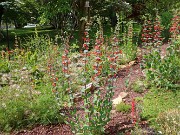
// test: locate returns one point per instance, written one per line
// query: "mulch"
(120, 122)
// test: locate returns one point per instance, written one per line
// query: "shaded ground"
(120, 122)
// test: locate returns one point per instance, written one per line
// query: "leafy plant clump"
(164, 73)
(4, 66)
(138, 86)
(123, 107)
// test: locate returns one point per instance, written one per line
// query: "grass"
(123, 107)
(157, 101)
(24, 33)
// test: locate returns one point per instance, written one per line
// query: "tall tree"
(18, 11)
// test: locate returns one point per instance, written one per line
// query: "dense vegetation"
(48, 70)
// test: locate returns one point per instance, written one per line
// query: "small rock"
(79, 65)
(131, 63)
(117, 100)
(160, 132)
(123, 94)
(24, 68)
(113, 111)
(122, 66)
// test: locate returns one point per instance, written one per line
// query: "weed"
(122, 107)
(138, 86)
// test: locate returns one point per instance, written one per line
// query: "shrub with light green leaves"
(164, 72)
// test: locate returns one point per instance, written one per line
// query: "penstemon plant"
(96, 106)
(147, 35)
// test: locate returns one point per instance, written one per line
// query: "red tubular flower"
(66, 51)
(54, 91)
(97, 47)
(85, 45)
(64, 57)
(85, 33)
(54, 84)
(64, 62)
(98, 59)
(133, 111)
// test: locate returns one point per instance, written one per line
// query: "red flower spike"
(98, 59)
(85, 45)
(54, 84)
(54, 91)
(133, 107)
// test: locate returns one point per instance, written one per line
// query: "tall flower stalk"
(175, 27)
(157, 38)
(147, 34)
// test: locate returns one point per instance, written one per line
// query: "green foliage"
(129, 47)
(18, 110)
(4, 66)
(164, 72)
(156, 102)
(138, 86)
(166, 19)
(19, 12)
(123, 107)
(37, 43)
(96, 115)
(28, 100)
(166, 22)
(45, 111)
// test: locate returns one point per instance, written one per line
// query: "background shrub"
(166, 22)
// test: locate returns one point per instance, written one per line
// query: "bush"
(169, 122)
(122, 107)
(164, 72)
(166, 22)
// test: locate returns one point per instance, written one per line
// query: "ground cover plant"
(44, 81)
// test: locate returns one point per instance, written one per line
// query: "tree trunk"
(1, 13)
(82, 23)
